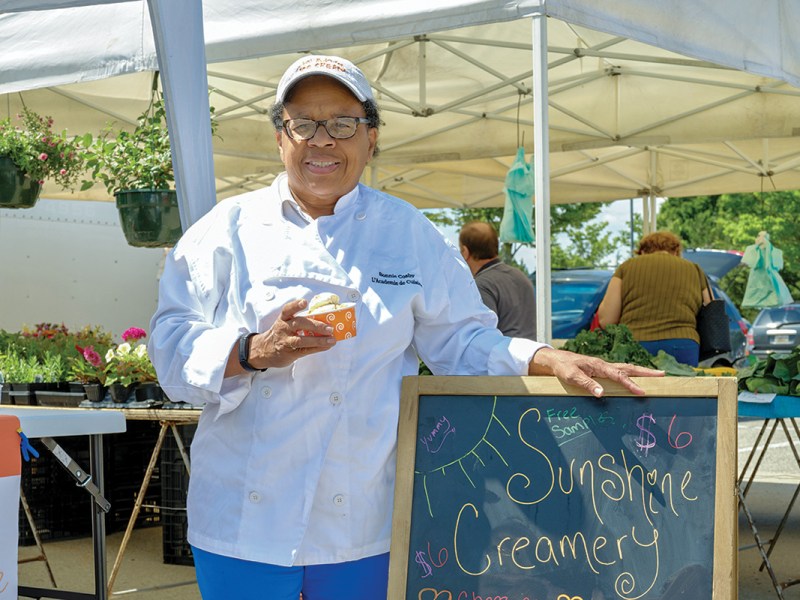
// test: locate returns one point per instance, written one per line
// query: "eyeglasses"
(339, 128)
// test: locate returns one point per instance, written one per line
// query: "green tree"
(589, 243)
(732, 222)
(695, 220)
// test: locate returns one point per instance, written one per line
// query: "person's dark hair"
(480, 239)
(660, 241)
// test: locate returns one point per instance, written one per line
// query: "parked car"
(775, 330)
(716, 263)
(577, 293)
(575, 296)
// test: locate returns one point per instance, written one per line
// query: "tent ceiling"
(626, 118)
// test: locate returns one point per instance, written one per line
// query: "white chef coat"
(295, 465)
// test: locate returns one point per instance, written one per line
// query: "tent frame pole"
(541, 170)
(180, 47)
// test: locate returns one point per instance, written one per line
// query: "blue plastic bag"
(765, 286)
(516, 225)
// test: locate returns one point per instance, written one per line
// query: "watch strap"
(244, 353)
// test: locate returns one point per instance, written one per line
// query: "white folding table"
(41, 422)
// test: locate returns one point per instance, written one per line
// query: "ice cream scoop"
(328, 309)
(326, 301)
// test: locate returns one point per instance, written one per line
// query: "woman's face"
(323, 169)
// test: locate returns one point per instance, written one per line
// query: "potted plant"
(127, 365)
(26, 375)
(89, 369)
(42, 359)
(30, 153)
(19, 374)
(136, 167)
(148, 387)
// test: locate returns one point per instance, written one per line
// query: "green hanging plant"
(131, 160)
(30, 142)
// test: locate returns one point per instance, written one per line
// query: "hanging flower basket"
(16, 190)
(149, 218)
(32, 152)
(136, 166)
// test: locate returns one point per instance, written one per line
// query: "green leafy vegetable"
(670, 366)
(775, 374)
(615, 343)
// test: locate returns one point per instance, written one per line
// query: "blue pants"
(222, 578)
(684, 350)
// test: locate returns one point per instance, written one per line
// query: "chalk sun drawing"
(483, 440)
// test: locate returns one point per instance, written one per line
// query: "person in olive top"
(504, 289)
(657, 294)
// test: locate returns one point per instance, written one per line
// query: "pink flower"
(133, 334)
(43, 156)
(62, 172)
(91, 355)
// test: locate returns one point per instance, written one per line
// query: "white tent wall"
(68, 262)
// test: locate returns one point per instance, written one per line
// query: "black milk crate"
(62, 510)
(174, 487)
(126, 458)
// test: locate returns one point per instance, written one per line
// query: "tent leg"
(180, 47)
(653, 211)
(541, 166)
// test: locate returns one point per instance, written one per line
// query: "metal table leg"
(760, 449)
(99, 518)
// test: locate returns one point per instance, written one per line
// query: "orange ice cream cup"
(342, 319)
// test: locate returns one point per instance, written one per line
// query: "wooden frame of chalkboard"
(522, 488)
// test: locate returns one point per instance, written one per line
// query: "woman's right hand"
(290, 337)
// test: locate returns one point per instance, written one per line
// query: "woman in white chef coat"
(293, 459)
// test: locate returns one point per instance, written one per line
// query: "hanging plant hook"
(155, 94)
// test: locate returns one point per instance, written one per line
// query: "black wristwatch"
(244, 353)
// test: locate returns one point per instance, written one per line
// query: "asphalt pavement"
(777, 483)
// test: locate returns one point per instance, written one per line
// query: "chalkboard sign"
(517, 488)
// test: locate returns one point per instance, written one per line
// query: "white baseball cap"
(332, 66)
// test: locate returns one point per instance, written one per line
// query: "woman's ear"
(279, 141)
(372, 133)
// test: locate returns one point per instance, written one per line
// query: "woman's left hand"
(581, 371)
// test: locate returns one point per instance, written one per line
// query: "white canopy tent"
(645, 98)
(626, 118)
